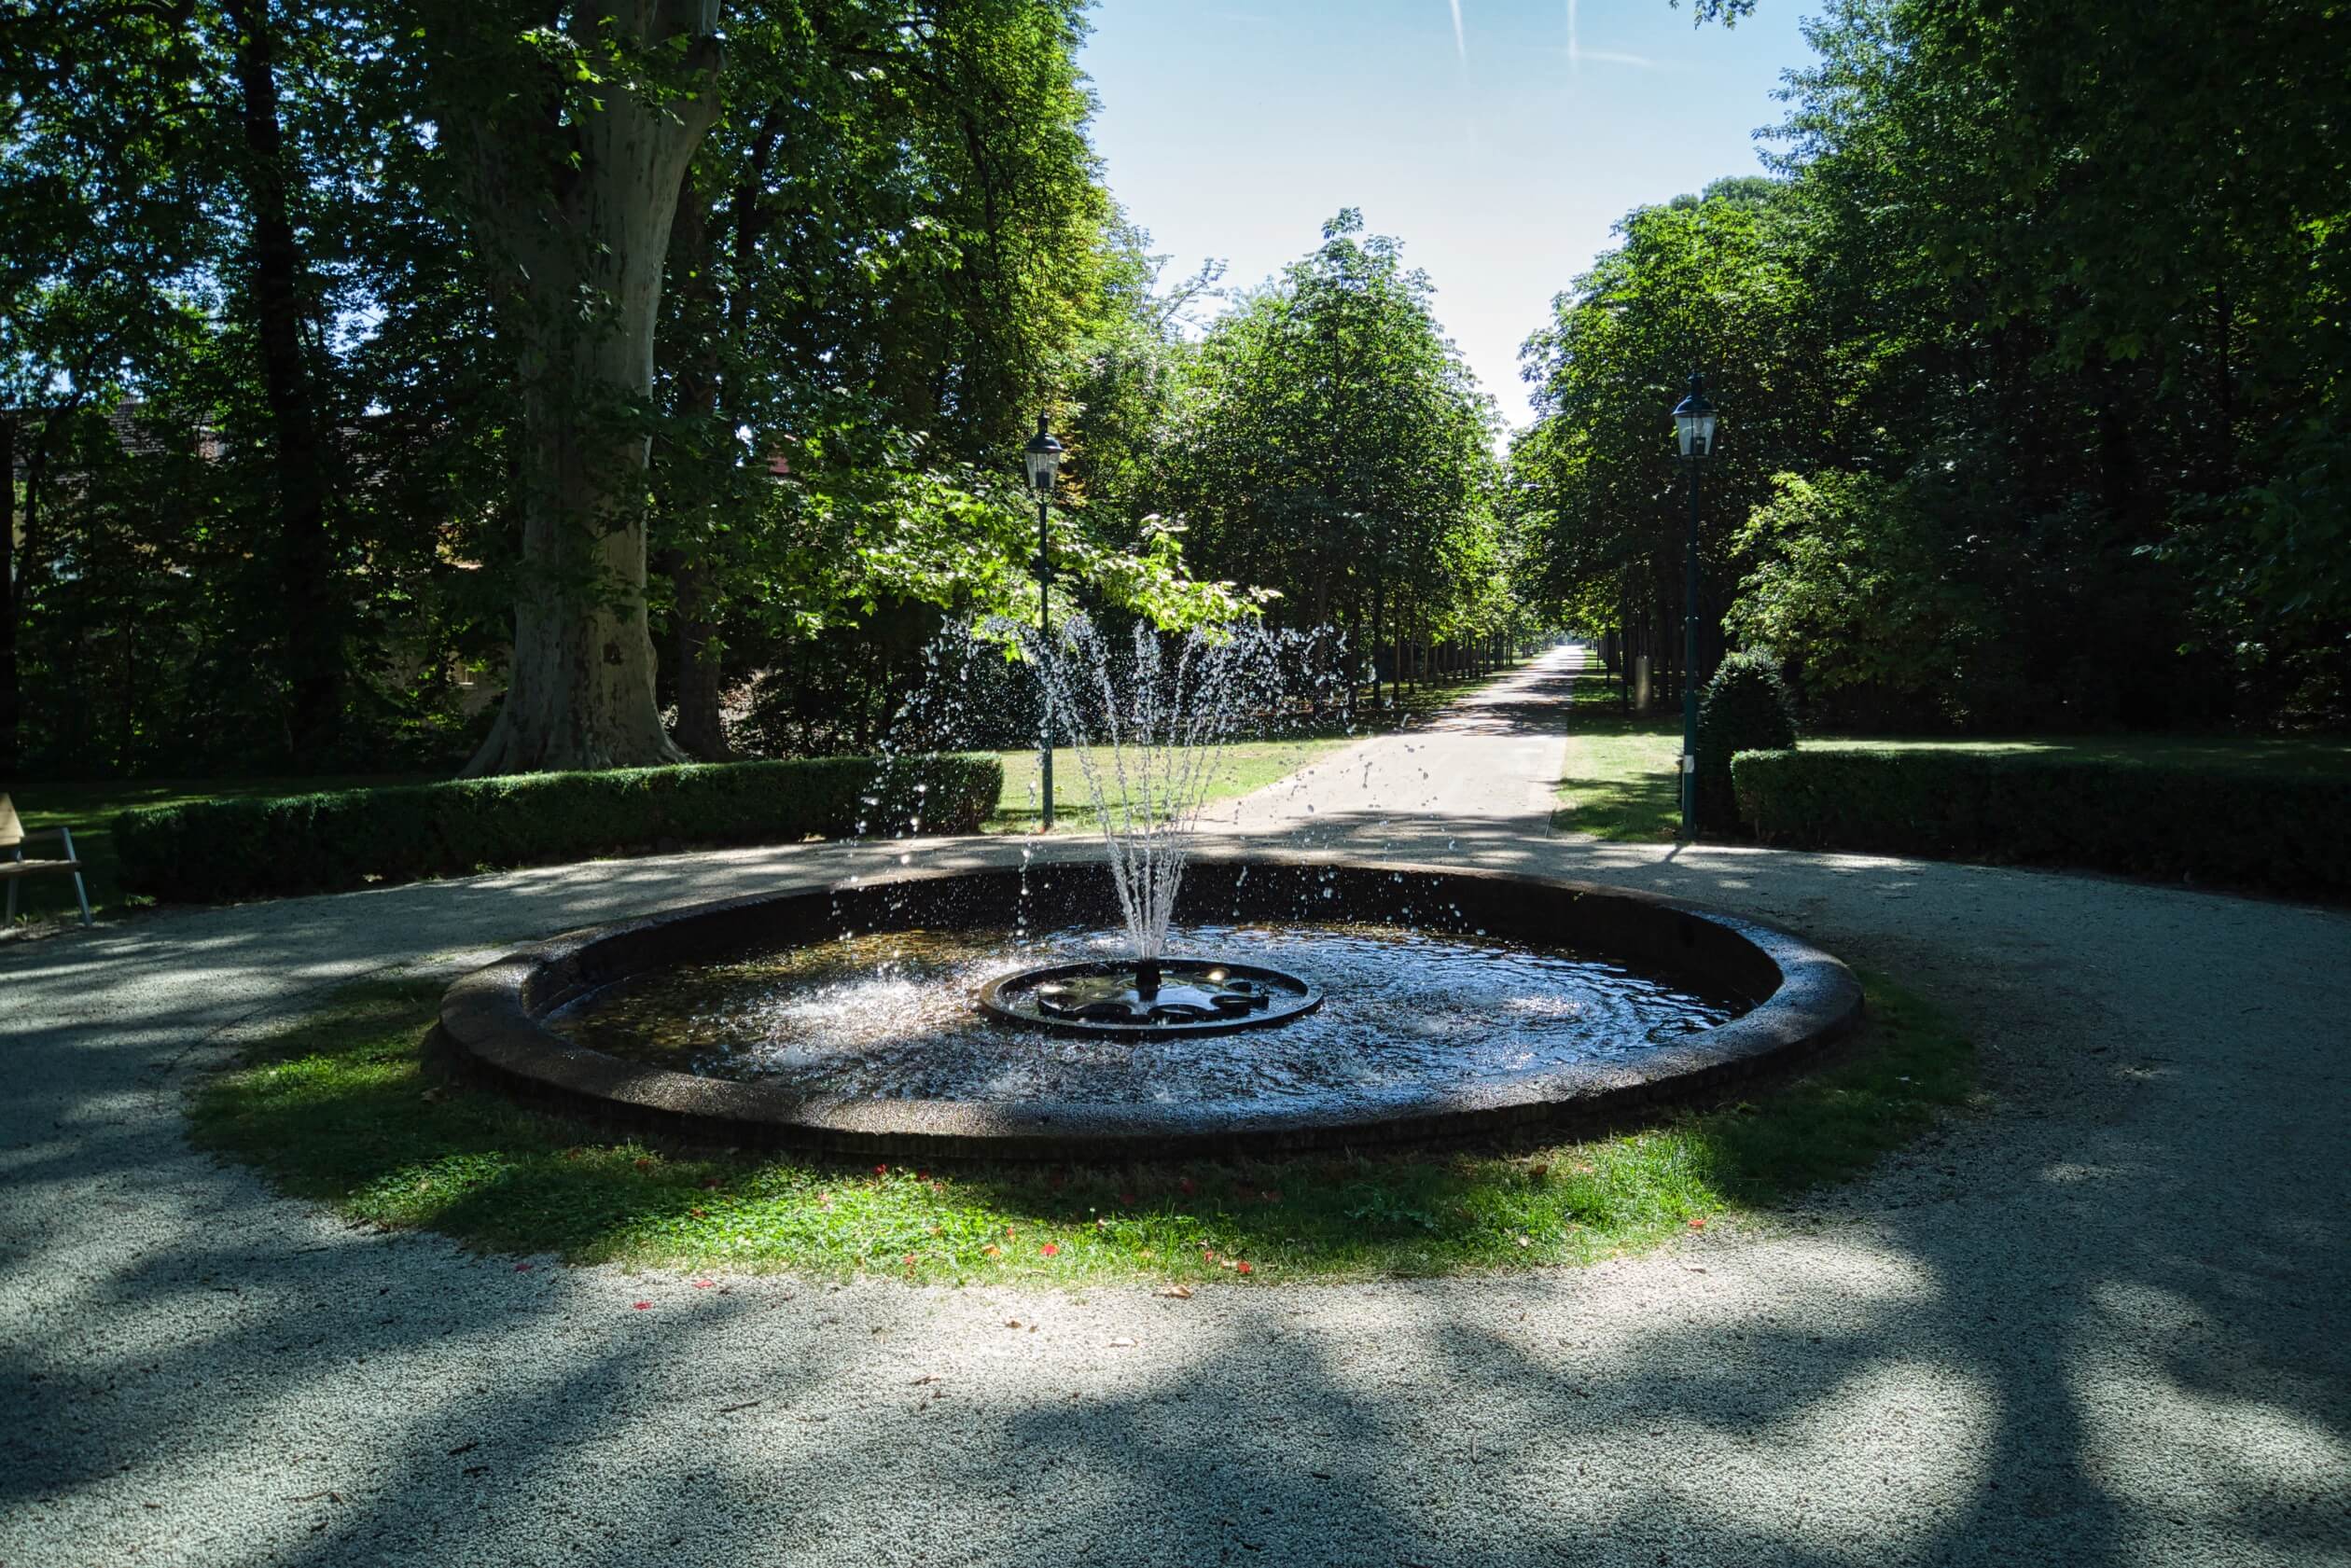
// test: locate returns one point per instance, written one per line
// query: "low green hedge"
(211, 849)
(2233, 827)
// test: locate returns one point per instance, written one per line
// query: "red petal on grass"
(1241, 1267)
(1050, 1249)
(1698, 1224)
(881, 1170)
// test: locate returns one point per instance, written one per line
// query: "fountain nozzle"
(1146, 978)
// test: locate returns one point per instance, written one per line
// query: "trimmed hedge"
(1746, 707)
(2281, 832)
(213, 850)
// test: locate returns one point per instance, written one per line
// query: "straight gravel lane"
(2098, 1321)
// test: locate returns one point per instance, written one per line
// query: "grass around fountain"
(350, 1109)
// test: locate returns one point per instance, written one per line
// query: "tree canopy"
(2030, 357)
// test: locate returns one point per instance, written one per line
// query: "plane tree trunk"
(573, 200)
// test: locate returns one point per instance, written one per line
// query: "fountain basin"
(510, 1019)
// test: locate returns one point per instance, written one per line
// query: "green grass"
(346, 1108)
(89, 809)
(1247, 765)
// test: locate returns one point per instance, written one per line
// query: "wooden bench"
(16, 867)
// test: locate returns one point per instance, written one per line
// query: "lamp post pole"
(1690, 666)
(1694, 423)
(1045, 641)
(1043, 456)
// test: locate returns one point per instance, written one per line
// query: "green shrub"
(210, 850)
(1746, 707)
(2230, 828)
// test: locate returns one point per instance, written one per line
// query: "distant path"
(1493, 757)
(2097, 1321)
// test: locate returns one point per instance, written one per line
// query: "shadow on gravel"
(2101, 1327)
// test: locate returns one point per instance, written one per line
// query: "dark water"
(891, 1015)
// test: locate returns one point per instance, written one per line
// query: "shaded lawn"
(351, 1108)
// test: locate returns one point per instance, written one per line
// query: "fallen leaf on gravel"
(464, 1448)
(704, 1285)
(1698, 1224)
(729, 1409)
(1123, 1342)
(522, 1268)
(1011, 1323)
(1694, 1267)
(926, 1378)
(1180, 1292)
(641, 1306)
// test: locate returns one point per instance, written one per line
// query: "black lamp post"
(1043, 456)
(1694, 420)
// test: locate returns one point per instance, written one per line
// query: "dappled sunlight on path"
(2097, 1321)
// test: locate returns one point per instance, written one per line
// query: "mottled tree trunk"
(584, 239)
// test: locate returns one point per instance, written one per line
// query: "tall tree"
(572, 136)
(312, 608)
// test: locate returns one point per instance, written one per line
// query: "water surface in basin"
(892, 1015)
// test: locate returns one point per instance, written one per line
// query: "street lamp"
(1694, 420)
(1043, 456)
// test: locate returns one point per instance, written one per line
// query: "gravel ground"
(2100, 1322)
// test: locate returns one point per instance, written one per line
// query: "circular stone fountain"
(996, 1014)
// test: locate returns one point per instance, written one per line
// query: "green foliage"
(1746, 708)
(2238, 828)
(1330, 444)
(213, 850)
(2025, 364)
(349, 1108)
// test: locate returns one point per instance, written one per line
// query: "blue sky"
(1499, 139)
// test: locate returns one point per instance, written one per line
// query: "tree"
(1330, 444)
(572, 139)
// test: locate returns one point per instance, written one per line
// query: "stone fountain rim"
(491, 1018)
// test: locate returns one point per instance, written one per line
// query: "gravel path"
(2100, 1322)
